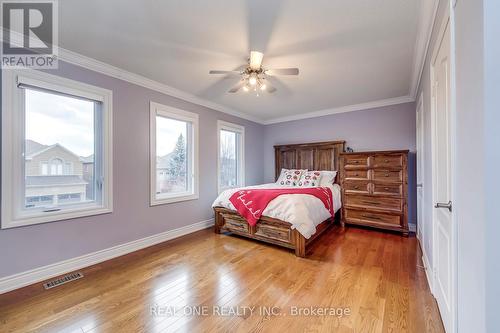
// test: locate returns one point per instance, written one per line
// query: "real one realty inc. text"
(245, 311)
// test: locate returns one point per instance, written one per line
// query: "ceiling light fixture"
(254, 75)
(255, 60)
(252, 79)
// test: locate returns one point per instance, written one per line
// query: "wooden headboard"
(312, 156)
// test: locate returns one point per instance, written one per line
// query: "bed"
(312, 156)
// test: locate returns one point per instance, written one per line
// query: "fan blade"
(283, 71)
(237, 87)
(256, 59)
(270, 89)
(224, 72)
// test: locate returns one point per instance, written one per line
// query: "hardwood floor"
(375, 279)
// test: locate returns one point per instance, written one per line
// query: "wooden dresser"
(375, 189)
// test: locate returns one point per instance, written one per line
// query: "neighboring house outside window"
(60, 178)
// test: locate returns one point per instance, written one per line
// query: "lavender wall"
(39, 245)
(385, 128)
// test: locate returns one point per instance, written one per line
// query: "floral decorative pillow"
(310, 179)
(291, 177)
(282, 176)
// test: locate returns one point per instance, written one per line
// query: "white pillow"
(290, 177)
(310, 179)
(327, 178)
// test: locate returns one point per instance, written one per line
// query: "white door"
(420, 171)
(443, 256)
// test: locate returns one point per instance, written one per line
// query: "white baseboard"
(23, 279)
(428, 269)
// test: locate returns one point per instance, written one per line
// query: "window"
(174, 154)
(51, 127)
(231, 155)
(72, 197)
(56, 167)
(39, 201)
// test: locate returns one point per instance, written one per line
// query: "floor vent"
(62, 280)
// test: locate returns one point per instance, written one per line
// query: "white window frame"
(227, 126)
(13, 147)
(161, 110)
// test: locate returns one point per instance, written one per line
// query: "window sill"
(173, 199)
(22, 221)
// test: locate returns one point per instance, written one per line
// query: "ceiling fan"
(254, 76)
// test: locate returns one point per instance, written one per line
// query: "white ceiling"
(348, 52)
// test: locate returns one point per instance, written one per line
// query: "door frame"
(420, 158)
(447, 21)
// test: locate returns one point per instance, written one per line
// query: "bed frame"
(312, 156)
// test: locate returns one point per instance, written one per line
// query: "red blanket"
(251, 203)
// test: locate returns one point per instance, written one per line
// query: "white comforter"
(304, 212)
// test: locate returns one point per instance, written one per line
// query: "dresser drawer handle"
(356, 162)
(386, 161)
(371, 202)
(386, 188)
(356, 187)
(387, 175)
(371, 217)
(356, 175)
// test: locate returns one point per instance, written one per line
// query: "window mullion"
(19, 152)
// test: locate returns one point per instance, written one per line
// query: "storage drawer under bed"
(235, 224)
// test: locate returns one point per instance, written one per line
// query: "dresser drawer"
(389, 189)
(356, 186)
(387, 175)
(366, 201)
(359, 216)
(356, 174)
(274, 232)
(387, 161)
(355, 161)
(234, 224)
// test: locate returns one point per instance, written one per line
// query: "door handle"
(443, 205)
(420, 185)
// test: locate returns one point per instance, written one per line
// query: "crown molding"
(425, 27)
(343, 109)
(109, 70)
